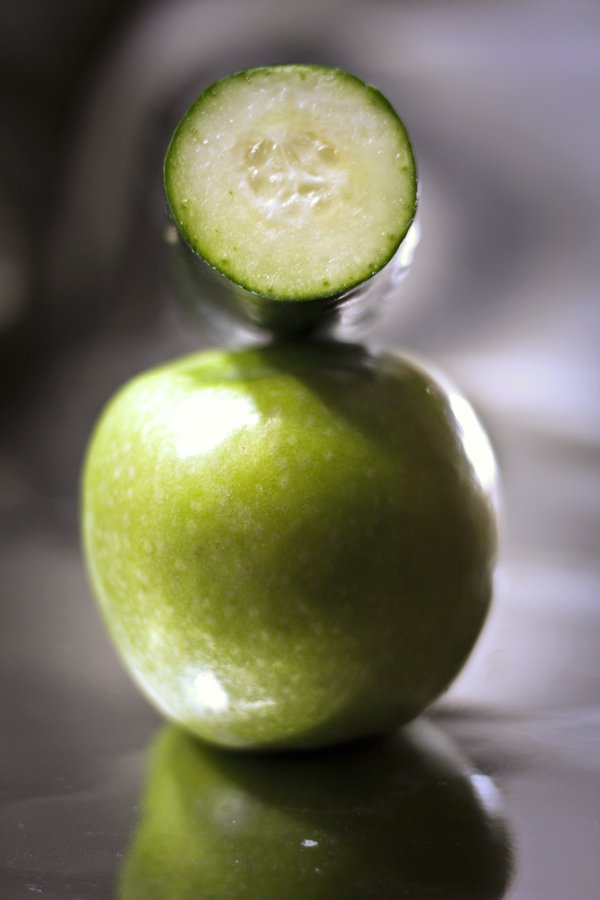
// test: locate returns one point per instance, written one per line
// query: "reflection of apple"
(385, 819)
(291, 546)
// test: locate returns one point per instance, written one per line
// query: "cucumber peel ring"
(295, 184)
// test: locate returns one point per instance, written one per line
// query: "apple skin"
(291, 546)
(382, 819)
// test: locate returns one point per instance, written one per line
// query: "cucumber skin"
(213, 300)
(278, 316)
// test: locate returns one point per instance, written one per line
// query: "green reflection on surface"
(395, 818)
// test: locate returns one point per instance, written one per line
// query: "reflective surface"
(501, 100)
(401, 817)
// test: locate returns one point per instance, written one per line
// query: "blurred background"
(502, 100)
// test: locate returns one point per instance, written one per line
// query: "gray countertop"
(501, 102)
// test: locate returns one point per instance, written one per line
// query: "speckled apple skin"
(291, 546)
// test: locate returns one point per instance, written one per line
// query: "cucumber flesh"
(295, 182)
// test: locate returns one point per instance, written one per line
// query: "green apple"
(385, 819)
(292, 546)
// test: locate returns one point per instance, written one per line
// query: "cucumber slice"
(296, 182)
